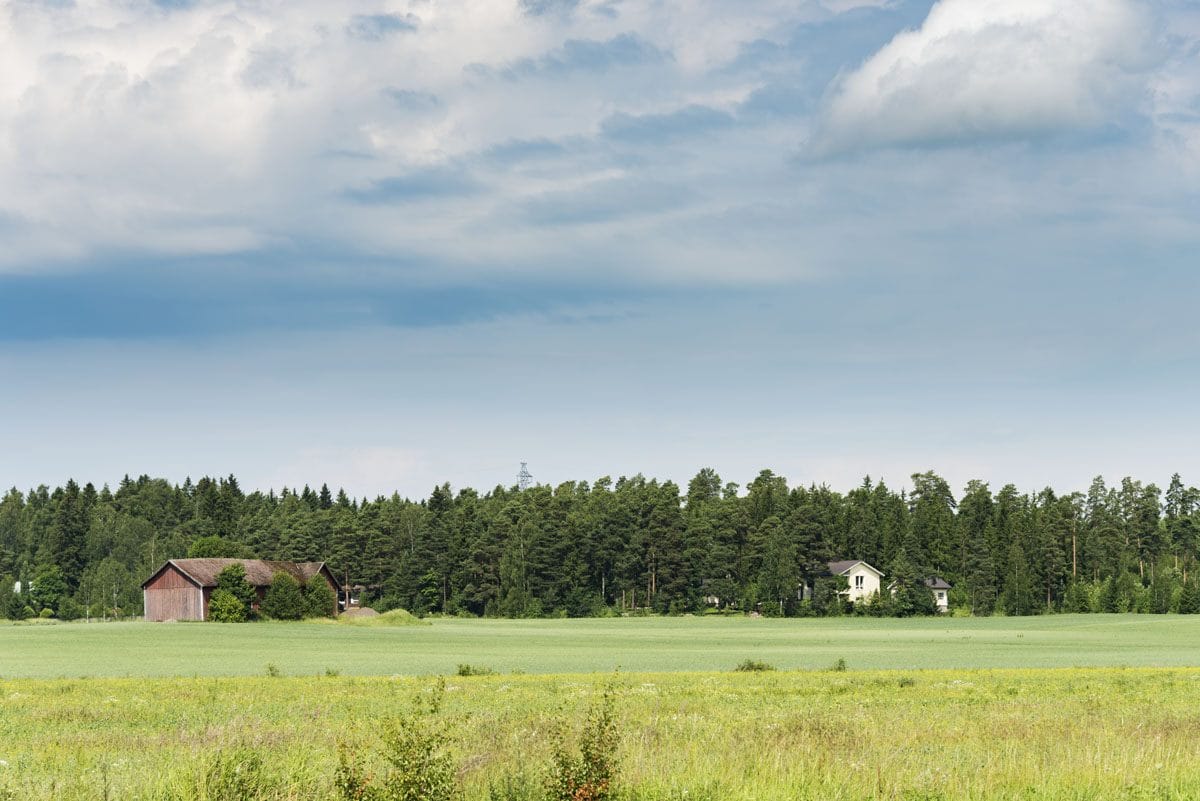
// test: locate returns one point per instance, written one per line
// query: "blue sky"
(390, 244)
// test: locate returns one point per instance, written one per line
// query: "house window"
(858, 582)
(941, 596)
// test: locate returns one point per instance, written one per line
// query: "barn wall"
(170, 596)
(170, 579)
(184, 603)
(333, 586)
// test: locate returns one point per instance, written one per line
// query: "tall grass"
(1058, 735)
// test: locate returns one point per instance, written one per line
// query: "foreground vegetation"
(397, 644)
(586, 549)
(944, 735)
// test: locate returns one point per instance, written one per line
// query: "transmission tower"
(524, 478)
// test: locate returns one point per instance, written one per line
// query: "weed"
(838, 666)
(753, 666)
(907, 681)
(516, 787)
(332, 672)
(235, 774)
(273, 670)
(416, 765)
(588, 775)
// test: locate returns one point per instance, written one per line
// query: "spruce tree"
(1189, 597)
(910, 595)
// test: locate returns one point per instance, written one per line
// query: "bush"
(589, 775)
(223, 607)
(319, 600)
(46, 613)
(283, 601)
(472, 670)
(417, 765)
(839, 666)
(753, 666)
(69, 609)
(233, 581)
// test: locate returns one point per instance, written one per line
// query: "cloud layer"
(832, 237)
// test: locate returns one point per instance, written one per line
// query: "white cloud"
(979, 69)
(128, 127)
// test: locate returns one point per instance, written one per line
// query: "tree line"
(626, 546)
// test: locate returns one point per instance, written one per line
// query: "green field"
(1059, 735)
(597, 645)
(929, 710)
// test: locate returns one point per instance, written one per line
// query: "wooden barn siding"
(184, 603)
(333, 585)
(170, 596)
(170, 579)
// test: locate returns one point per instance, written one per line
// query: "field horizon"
(597, 645)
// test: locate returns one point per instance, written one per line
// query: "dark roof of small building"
(259, 572)
(838, 568)
(937, 583)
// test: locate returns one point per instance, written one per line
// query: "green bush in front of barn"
(319, 600)
(224, 607)
(232, 580)
(284, 600)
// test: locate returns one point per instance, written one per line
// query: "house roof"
(843, 567)
(259, 572)
(937, 583)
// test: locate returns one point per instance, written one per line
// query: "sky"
(386, 244)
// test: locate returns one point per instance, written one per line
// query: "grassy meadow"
(596, 645)
(928, 735)
(928, 710)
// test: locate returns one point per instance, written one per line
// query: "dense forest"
(635, 545)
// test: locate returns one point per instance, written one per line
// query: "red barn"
(180, 589)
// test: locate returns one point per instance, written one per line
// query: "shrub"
(46, 613)
(223, 607)
(319, 600)
(839, 666)
(588, 775)
(283, 601)
(69, 609)
(273, 670)
(753, 666)
(472, 670)
(417, 765)
(233, 581)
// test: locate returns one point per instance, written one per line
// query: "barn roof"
(937, 583)
(259, 572)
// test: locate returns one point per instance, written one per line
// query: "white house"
(862, 578)
(941, 592)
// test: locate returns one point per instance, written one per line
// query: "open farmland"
(596, 645)
(929, 710)
(817, 735)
